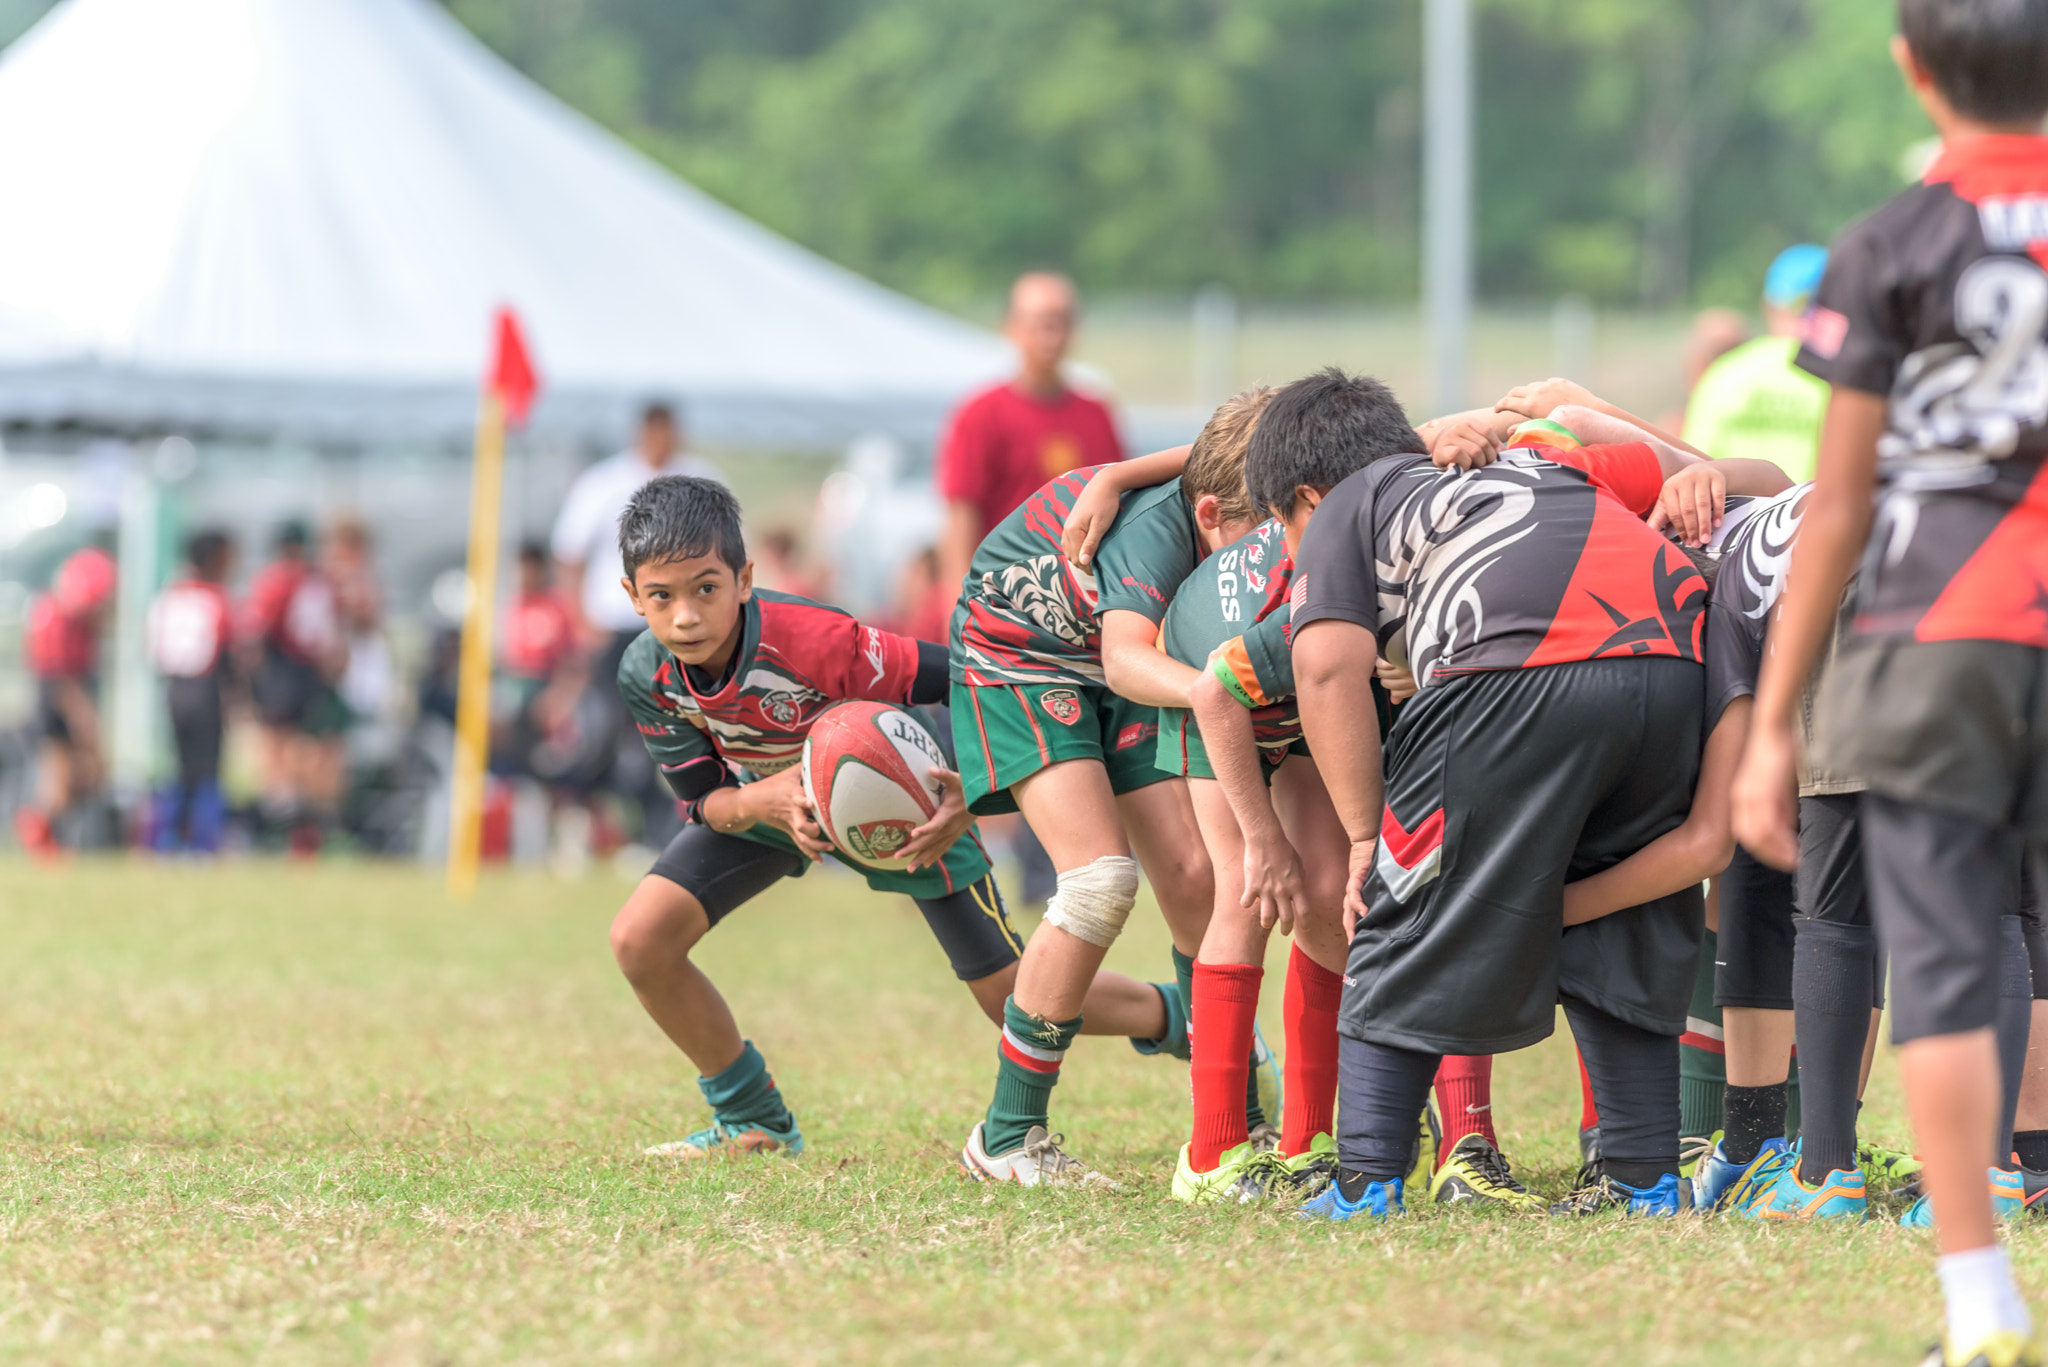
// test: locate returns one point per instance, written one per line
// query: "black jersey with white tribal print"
(1939, 301)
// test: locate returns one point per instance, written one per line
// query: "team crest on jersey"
(878, 839)
(782, 708)
(1063, 705)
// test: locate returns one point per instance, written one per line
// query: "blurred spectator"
(1714, 333)
(368, 687)
(1010, 438)
(779, 565)
(586, 536)
(923, 609)
(539, 632)
(1753, 402)
(538, 678)
(63, 654)
(586, 547)
(291, 630)
(190, 629)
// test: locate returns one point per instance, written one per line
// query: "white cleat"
(1039, 1161)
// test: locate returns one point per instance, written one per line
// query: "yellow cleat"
(1429, 1137)
(1476, 1173)
(2005, 1348)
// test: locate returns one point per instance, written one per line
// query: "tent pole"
(473, 693)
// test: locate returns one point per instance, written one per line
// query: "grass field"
(259, 1114)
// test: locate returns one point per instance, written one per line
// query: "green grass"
(318, 1115)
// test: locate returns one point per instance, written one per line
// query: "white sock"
(1981, 1296)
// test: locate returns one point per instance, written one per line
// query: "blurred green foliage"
(1653, 151)
(1629, 151)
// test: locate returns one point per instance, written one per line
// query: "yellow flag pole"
(473, 693)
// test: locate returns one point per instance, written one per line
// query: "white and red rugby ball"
(867, 772)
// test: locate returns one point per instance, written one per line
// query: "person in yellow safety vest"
(1753, 402)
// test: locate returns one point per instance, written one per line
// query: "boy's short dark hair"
(533, 553)
(1320, 430)
(207, 552)
(1989, 58)
(680, 517)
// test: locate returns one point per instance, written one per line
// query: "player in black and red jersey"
(724, 686)
(1555, 640)
(63, 652)
(1931, 326)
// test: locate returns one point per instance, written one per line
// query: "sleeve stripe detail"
(1232, 667)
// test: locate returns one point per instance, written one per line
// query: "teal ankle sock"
(744, 1094)
(1175, 1041)
(1027, 1069)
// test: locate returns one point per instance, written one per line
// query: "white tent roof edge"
(296, 217)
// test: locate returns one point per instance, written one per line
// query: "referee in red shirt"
(1007, 440)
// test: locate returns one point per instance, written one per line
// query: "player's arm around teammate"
(1039, 731)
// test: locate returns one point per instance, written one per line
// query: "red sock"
(1464, 1097)
(1589, 1115)
(1226, 1005)
(1310, 1069)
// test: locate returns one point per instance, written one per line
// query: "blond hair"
(1216, 464)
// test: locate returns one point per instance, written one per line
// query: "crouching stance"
(724, 686)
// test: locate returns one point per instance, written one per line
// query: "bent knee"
(656, 927)
(1187, 880)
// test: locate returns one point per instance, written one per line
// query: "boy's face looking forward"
(693, 606)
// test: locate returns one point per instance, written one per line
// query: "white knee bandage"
(1092, 903)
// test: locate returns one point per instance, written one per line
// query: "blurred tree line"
(1653, 153)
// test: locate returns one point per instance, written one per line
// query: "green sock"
(744, 1094)
(1184, 974)
(1702, 1072)
(1027, 1068)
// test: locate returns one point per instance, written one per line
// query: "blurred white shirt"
(587, 530)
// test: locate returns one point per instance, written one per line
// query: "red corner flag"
(512, 375)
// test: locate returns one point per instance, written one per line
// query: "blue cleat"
(1379, 1201)
(1672, 1195)
(1720, 1185)
(2008, 1201)
(1841, 1195)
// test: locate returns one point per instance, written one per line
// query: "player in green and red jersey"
(724, 686)
(1056, 683)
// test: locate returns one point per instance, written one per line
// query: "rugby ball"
(867, 772)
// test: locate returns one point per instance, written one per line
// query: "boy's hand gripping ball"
(867, 772)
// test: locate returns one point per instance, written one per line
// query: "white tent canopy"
(297, 216)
